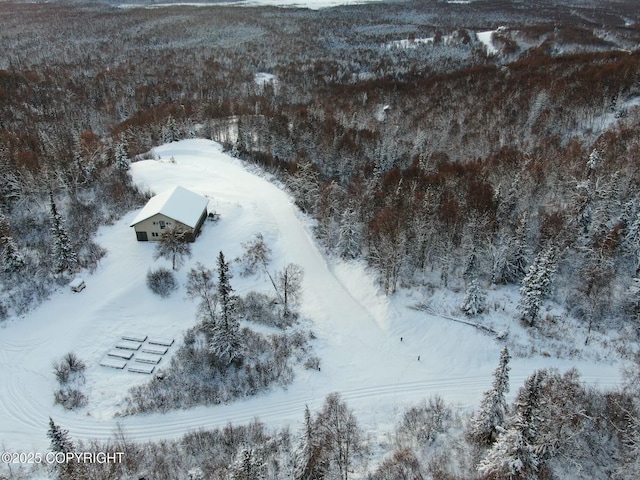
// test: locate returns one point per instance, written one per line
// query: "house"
(177, 207)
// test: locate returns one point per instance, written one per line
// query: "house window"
(162, 224)
(154, 234)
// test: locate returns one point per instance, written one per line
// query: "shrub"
(69, 368)
(312, 363)
(70, 398)
(162, 282)
(70, 374)
(260, 308)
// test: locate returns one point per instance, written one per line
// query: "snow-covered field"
(358, 329)
(310, 4)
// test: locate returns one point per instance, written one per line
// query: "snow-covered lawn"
(358, 329)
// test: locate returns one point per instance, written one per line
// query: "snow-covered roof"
(178, 203)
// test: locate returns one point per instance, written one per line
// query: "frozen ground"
(358, 330)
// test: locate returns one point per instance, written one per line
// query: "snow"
(263, 78)
(358, 329)
(485, 38)
(310, 4)
(177, 203)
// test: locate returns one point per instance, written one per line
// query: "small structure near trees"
(178, 208)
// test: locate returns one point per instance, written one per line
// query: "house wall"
(154, 229)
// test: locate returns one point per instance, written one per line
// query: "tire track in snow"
(277, 413)
(272, 413)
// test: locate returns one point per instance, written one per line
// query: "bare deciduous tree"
(173, 245)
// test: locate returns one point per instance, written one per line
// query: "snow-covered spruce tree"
(248, 465)
(536, 285)
(470, 272)
(173, 245)
(12, 259)
(170, 131)
(60, 441)
(349, 235)
(304, 186)
(225, 338)
(65, 258)
(474, 301)
(309, 459)
(515, 453)
(489, 420)
(122, 161)
(519, 252)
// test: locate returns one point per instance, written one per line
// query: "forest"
(440, 162)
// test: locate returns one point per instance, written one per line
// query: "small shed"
(177, 207)
(77, 284)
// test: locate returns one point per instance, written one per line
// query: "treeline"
(416, 147)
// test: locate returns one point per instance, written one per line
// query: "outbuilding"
(77, 284)
(177, 207)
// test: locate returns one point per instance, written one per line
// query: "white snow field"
(310, 4)
(358, 329)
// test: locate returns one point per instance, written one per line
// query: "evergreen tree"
(225, 338)
(121, 154)
(170, 132)
(228, 301)
(64, 256)
(248, 466)
(60, 441)
(225, 343)
(536, 285)
(349, 235)
(12, 260)
(471, 265)
(518, 256)
(490, 418)
(515, 453)
(474, 299)
(304, 186)
(594, 160)
(173, 245)
(309, 461)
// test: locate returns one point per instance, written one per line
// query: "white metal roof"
(180, 204)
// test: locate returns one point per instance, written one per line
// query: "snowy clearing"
(358, 329)
(485, 39)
